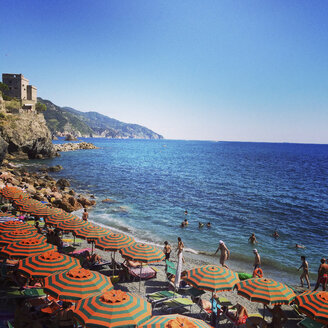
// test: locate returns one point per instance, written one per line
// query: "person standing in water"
(252, 239)
(225, 253)
(305, 273)
(85, 215)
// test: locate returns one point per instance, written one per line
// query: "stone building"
(19, 87)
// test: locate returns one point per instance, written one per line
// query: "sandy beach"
(161, 283)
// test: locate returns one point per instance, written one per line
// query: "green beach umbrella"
(76, 284)
(314, 305)
(46, 264)
(18, 235)
(266, 291)
(174, 321)
(114, 308)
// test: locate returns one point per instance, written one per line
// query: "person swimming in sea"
(200, 225)
(299, 246)
(275, 234)
(184, 223)
(208, 225)
(252, 239)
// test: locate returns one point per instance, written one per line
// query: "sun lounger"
(176, 304)
(159, 297)
(146, 272)
(223, 301)
(309, 323)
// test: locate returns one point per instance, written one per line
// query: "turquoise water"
(239, 187)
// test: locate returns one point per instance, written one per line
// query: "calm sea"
(239, 187)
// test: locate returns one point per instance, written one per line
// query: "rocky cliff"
(24, 135)
(67, 120)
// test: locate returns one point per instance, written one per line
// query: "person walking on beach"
(252, 239)
(257, 259)
(305, 273)
(180, 262)
(167, 250)
(225, 253)
(85, 215)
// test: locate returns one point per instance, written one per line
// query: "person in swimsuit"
(225, 253)
(85, 215)
(180, 248)
(252, 239)
(257, 259)
(275, 234)
(299, 246)
(278, 316)
(305, 273)
(167, 250)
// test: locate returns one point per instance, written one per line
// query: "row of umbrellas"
(63, 273)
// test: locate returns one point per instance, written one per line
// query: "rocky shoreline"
(71, 146)
(41, 186)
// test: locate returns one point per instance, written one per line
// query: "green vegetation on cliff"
(91, 124)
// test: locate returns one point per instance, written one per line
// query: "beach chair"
(159, 297)
(145, 272)
(309, 323)
(177, 304)
(223, 301)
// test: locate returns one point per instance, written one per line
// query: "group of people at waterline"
(257, 271)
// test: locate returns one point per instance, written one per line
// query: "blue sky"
(207, 70)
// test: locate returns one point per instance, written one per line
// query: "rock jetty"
(43, 187)
(70, 146)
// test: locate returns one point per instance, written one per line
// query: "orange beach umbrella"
(76, 284)
(266, 291)
(114, 308)
(212, 278)
(314, 305)
(12, 192)
(114, 241)
(18, 235)
(143, 253)
(174, 321)
(15, 225)
(26, 248)
(46, 264)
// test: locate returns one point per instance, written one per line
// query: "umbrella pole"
(140, 277)
(92, 248)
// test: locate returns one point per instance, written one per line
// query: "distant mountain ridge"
(67, 120)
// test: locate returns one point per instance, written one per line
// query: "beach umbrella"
(12, 192)
(266, 291)
(314, 305)
(59, 216)
(114, 308)
(212, 278)
(6, 215)
(72, 225)
(26, 248)
(76, 284)
(142, 253)
(46, 264)
(92, 232)
(29, 205)
(13, 225)
(18, 235)
(114, 242)
(41, 211)
(174, 321)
